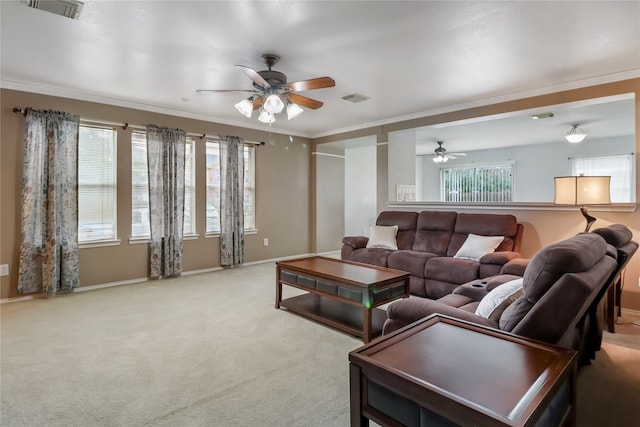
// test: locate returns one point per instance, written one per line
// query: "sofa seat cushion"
(375, 256)
(410, 261)
(452, 270)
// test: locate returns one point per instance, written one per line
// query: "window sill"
(99, 243)
(216, 234)
(539, 206)
(139, 240)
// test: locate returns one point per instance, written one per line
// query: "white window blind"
(140, 226)
(619, 168)
(96, 183)
(488, 183)
(213, 187)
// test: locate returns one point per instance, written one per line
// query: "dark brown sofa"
(427, 242)
(560, 284)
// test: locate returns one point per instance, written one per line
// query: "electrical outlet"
(4, 270)
(266, 241)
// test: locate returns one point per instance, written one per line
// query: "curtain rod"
(125, 126)
(606, 155)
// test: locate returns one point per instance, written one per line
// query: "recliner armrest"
(356, 242)
(409, 310)
(499, 258)
(516, 266)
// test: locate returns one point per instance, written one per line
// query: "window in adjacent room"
(96, 183)
(619, 168)
(213, 187)
(486, 183)
(140, 226)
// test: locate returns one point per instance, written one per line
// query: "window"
(140, 226)
(96, 183)
(619, 168)
(213, 187)
(488, 183)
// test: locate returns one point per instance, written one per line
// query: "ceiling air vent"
(354, 97)
(69, 8)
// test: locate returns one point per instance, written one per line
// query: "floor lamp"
(583, 191)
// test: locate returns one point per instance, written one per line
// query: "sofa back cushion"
(434, 231)
(406, 222)
(484, 225)
(569, 266)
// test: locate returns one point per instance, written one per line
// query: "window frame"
(249, 186)
(190, 149)
(616, 177)
(476, 166)
(113, 238)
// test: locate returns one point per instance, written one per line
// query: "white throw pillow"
(496, 301)
(475, 247)
(383, 236)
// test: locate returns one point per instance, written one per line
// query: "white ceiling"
(409, 58)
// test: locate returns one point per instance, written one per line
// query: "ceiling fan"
(441, 155)
(272, 93)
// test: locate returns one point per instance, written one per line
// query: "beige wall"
(542, 227)
(282, 193)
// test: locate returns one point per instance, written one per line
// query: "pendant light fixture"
(576, 134)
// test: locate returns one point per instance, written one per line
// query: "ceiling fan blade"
(253, 75)
(304, 101)
(302, 85)
(450, 156)
(226, 90)
(257, 103)
(458, 154)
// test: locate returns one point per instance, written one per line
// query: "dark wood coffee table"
(447, 372)
(341, 294)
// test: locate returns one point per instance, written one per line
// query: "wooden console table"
(446, 372)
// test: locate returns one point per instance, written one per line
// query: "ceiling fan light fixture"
(266, 117)
(576, 134)
(293, 111)
(245, 107)
(273, 104)
(440, 159)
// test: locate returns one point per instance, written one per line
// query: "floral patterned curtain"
(231, 200)
(49, 260)
(165, 157)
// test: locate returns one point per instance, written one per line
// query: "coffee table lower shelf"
(334, 313)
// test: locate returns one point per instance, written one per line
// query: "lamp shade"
(245, 107)
(293, 111)
(273, 104)
(582, 190)
(266, 117)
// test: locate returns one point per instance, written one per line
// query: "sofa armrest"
(409, 310)
(516, 266)
(356, 242)
(499, 258)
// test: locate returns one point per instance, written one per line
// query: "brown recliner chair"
(605, 309)
(559, 284)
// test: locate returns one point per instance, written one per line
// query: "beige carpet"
(211, 350)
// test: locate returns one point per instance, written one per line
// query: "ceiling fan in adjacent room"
(272, 93)
(441, 155)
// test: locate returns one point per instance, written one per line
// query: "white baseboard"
(146, 279)
(630, 311)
